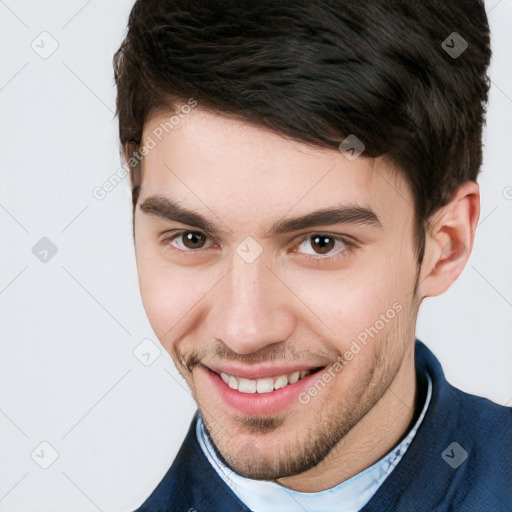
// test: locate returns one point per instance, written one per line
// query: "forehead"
(216, 164)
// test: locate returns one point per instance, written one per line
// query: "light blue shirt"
(349, 496)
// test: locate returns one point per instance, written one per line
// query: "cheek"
(168, 293)
(364, 302)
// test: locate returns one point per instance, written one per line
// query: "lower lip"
(258, 404)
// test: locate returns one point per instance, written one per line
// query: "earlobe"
(449, 241)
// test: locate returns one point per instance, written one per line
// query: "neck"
(382, 428)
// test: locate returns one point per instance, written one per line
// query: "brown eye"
(185, 241)
(322, 244)
(193, 239)
(325, 246)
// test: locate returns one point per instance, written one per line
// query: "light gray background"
(68, 375)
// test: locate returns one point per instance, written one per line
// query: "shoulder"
(461, 457)
(480, 454)
(470, 439)
(191, 484)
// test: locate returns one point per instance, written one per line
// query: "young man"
(304, 175)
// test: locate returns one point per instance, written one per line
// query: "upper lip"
(261, 371)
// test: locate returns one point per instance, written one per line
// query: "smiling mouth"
(265, 384)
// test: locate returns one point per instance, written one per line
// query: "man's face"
(264, 301)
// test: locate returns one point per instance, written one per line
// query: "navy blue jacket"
(431, 477)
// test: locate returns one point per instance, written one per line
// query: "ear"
(449, 240)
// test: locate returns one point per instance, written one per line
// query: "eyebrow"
(163, 207)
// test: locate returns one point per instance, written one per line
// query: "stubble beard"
(303, 445)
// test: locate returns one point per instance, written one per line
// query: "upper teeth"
(264, 385)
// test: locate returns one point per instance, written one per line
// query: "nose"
(251, 308)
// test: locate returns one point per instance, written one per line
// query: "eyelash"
(349, 244)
